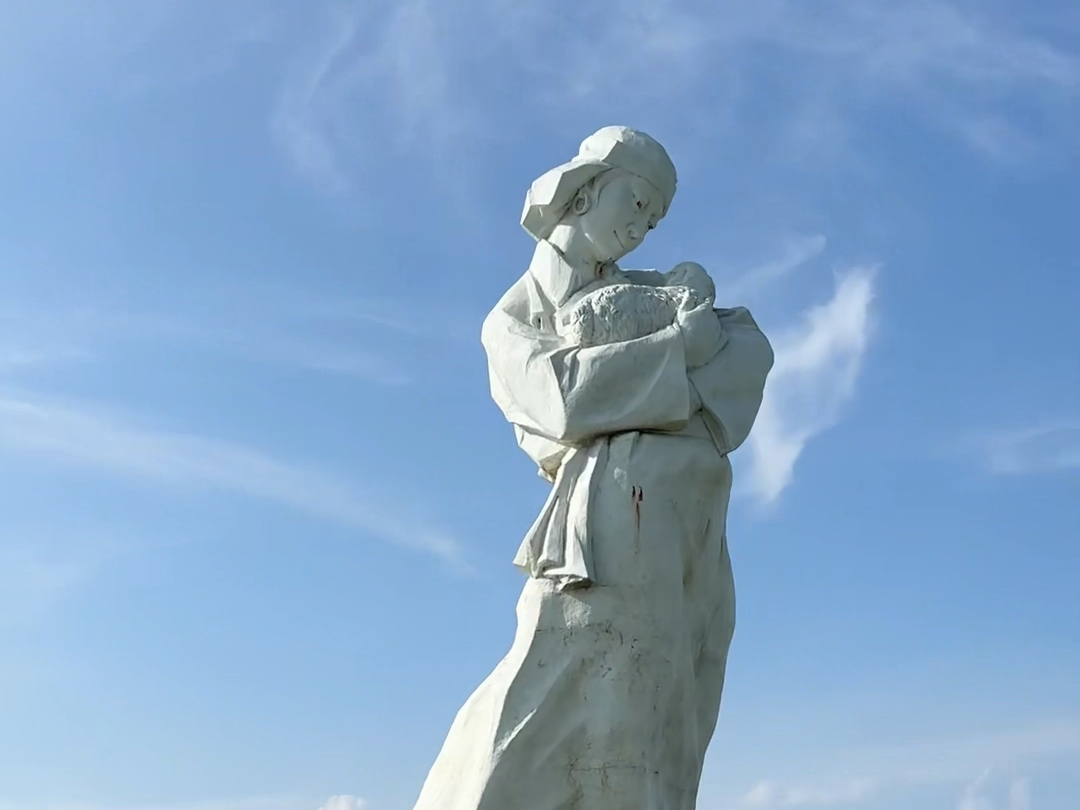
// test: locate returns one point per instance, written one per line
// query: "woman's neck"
(576, 249)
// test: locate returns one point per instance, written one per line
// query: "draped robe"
(611, 690)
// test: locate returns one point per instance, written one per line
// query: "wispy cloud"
(347, 335)
(771, 795)
(797, 253)
(382, 81)
(335, 359)
(342, 803)
(355, 337)
(101, 334)
(299, 122)
(975, 796)
(388, 76)
(16, 357)
(378, 81)
(127, 48)
(250, 803)
(416, 317)
(43, 562)
(28, 342)
(971, 74)
(845, 777)
(817, 366)
(298, 349)
(31, 582)
(69, 436)
(1048, 446)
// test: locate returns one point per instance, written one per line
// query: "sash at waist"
(558, 546)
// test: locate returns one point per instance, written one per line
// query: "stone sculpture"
(628, 389)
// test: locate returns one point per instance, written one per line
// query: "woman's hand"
(701, 333)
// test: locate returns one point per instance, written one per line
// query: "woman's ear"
(582, 201)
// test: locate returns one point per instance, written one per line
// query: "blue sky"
(260, 510)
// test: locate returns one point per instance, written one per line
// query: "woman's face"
(625, 209)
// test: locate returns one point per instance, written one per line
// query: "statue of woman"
(610, 693)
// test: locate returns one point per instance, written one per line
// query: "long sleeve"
(732, 383)
(570, 394)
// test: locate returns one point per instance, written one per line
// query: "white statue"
(628, 389)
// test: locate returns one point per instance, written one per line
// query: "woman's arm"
(732, 383)
(571, 394)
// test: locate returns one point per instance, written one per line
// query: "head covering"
(608, 148)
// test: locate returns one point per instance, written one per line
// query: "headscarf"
(609, 148)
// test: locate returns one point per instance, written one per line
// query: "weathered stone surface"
(610, 692)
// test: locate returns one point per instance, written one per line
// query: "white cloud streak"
(381, 80)
(17, 357)
(31, 582)
(1048, 446)
(846, 777)
(265, 344)
(390, 76)
(299, 125)
(772, 795)
(392, 88)
(291, 328)
(974, 796)
(954, 68)
(817, 367)
(82, 438)
(102, 47)
(343, 803)
(251, 803)
(797, 253)
(42, 563)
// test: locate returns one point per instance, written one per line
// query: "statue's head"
(606, 199)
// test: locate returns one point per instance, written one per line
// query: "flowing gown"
(611, 690)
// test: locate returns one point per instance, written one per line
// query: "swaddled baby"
(620, 312)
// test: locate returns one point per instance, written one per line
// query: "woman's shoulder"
(523, 306)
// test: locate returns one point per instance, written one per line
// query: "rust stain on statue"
(637, 495)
